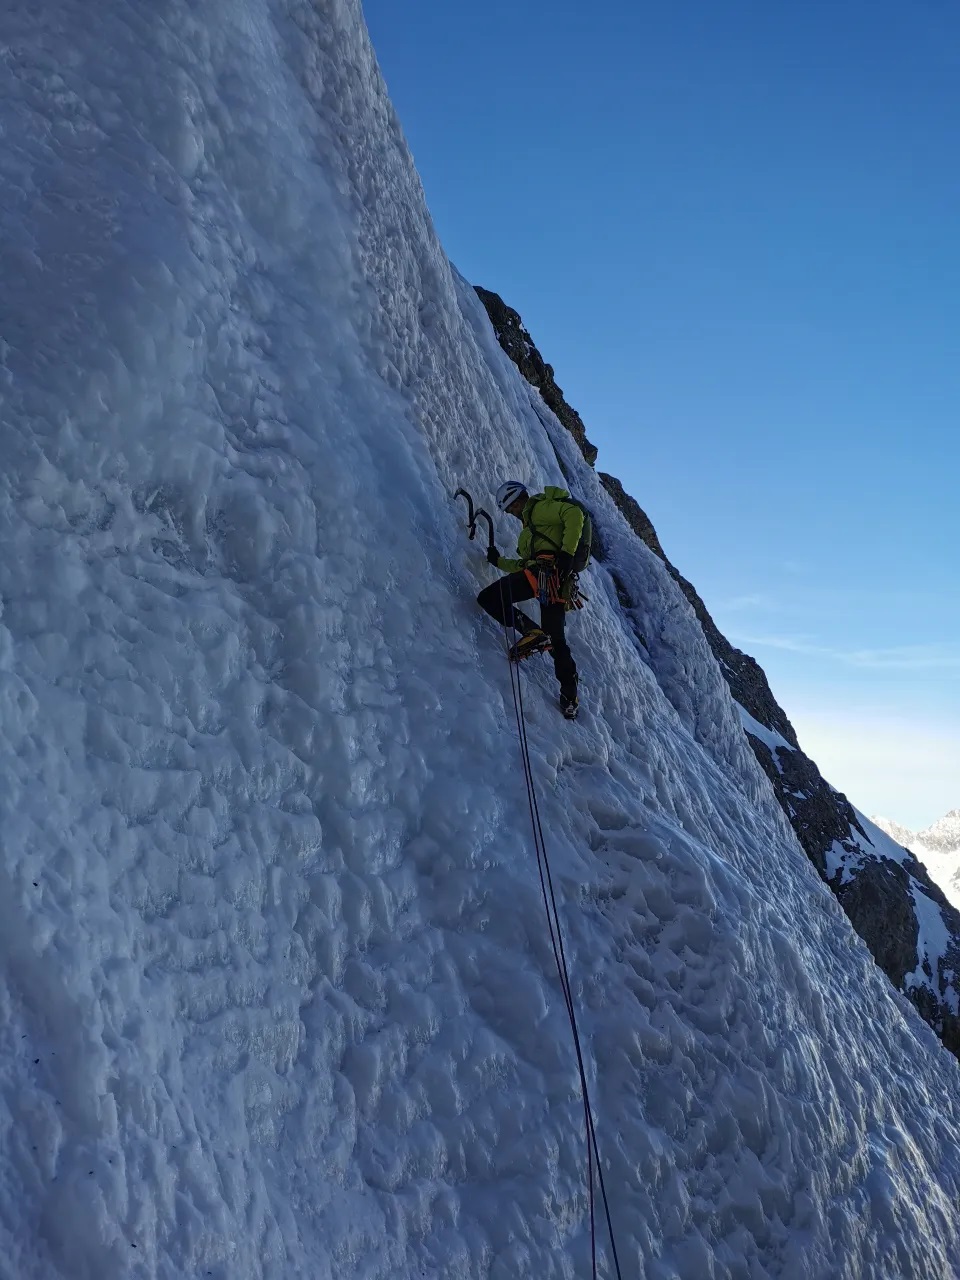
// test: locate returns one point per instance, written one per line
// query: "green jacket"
(551, 523)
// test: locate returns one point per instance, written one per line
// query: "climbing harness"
(550, 588)
(594, 1167)
(544, 580)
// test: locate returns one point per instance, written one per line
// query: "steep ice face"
(278, 994)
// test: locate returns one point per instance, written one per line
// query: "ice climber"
(553, 527)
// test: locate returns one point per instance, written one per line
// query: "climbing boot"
(569, 702)
(533, 641)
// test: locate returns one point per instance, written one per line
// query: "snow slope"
(278, 998)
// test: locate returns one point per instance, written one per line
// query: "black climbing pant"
(498, 600)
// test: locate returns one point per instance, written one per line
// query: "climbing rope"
(553, 918)
(559, 955)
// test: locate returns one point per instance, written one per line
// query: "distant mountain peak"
(944, 834)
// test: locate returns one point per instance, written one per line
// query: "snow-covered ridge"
(901, 834)
(278, 995)
(943, 836)
(775, 741)
(937, 847)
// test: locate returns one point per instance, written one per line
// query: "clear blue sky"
(734, 230)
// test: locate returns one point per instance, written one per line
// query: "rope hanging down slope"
(559, 954)
(553, 920)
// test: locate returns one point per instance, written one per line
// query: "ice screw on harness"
(545, 581)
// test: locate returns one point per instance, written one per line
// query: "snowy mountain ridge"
(279, 997)
(936, 846)
(942, 836)
(902, 835)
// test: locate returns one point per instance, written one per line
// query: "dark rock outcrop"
(876, 892)
(879, 897)
(517, 343)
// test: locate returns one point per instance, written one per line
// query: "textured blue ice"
(277, 996)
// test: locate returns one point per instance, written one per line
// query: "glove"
(493, 556)
(564, 562)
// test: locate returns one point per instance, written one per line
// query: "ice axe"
(473, 515)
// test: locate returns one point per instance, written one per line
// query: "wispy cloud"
(795, 644)
(937, 656)
(908, 657)
(798, 598)
(747, 603)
